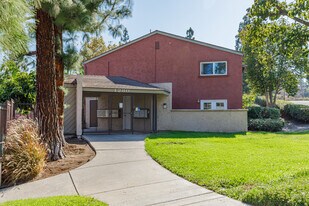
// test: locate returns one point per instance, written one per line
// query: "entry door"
(127, 107)
(93, 113)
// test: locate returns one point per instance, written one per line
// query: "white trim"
(213, 103)
(169, 35)
(213, 68)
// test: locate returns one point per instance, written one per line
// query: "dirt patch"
(77, 151)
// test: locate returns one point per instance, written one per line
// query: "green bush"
(260, 101)
(24, 155)
(271, 125)
(272, 113)
(297, 112)
(256, 112)
(247, 100)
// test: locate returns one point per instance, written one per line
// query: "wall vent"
(157, 45)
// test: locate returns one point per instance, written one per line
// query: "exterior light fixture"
(120, 105)
(164, 106)
(137, 109)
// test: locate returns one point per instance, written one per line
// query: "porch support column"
(79, 106)
(155, 113)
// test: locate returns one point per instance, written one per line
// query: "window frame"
(213, 68)
(213, 104)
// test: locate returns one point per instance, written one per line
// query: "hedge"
(297, 112)
(257, 112)
(271, 125)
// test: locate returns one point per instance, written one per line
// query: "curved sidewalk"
(121, 174)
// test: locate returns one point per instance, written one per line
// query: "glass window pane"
(207, 105)
(219, 105)
(207, 68)
(220, 68)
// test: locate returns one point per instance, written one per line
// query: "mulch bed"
(77, 152)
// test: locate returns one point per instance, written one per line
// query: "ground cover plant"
(55, 201)
(259, 168)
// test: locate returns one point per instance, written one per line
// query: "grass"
(55, 201)
(255, 167)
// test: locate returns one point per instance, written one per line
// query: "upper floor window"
(213, 68)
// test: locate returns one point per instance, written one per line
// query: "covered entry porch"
(118, 112)
(110, 104)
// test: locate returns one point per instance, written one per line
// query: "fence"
(6, 114)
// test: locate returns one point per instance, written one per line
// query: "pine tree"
(54, 18)
(125, 36)
(190, 33)
(13, 35)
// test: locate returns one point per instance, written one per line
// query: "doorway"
(93, 113)
(127, 112)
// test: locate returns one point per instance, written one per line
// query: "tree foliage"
(190, 33)
(95, 47)
(13, 34)
(125, 36)
(297, 10)
(276, 56)
(17, 83)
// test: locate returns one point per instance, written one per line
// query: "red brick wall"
(178, 62)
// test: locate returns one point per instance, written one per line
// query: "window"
(213, 104)
(213, 68)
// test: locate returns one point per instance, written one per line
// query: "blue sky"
(213, 21)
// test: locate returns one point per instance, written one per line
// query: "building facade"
(162, 82)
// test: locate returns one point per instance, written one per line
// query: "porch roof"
(116, 84)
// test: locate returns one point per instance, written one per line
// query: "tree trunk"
(46, 86)
(266, 98)
(271, 99)
(59, 78)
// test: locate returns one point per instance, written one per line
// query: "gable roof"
(169, 35)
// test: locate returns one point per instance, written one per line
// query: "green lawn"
(56, 201)
(255, 167)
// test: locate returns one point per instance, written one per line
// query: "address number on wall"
(122, 90)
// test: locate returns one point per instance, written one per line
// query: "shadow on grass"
(183, 134)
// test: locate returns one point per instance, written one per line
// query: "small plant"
(247, 100)
(256, 112)
(297, 112)
(260, 101)
(271, 125)
(24, 154)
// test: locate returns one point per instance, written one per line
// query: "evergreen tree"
(13, 35)
(125, 36)
(190, 33)
(54, 18)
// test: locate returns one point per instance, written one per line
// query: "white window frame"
(213, 68)
(213, 104)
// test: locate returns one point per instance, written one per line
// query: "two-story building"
(159, 81)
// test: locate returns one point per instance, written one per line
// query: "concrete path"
(121, 174)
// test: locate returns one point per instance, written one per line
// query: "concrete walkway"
(121, 174)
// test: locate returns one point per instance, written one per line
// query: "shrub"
(24, 155)
(297, 112)
(257, 112)
(268, 112)
(247, 100)
(260, 101)
(271, 125)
